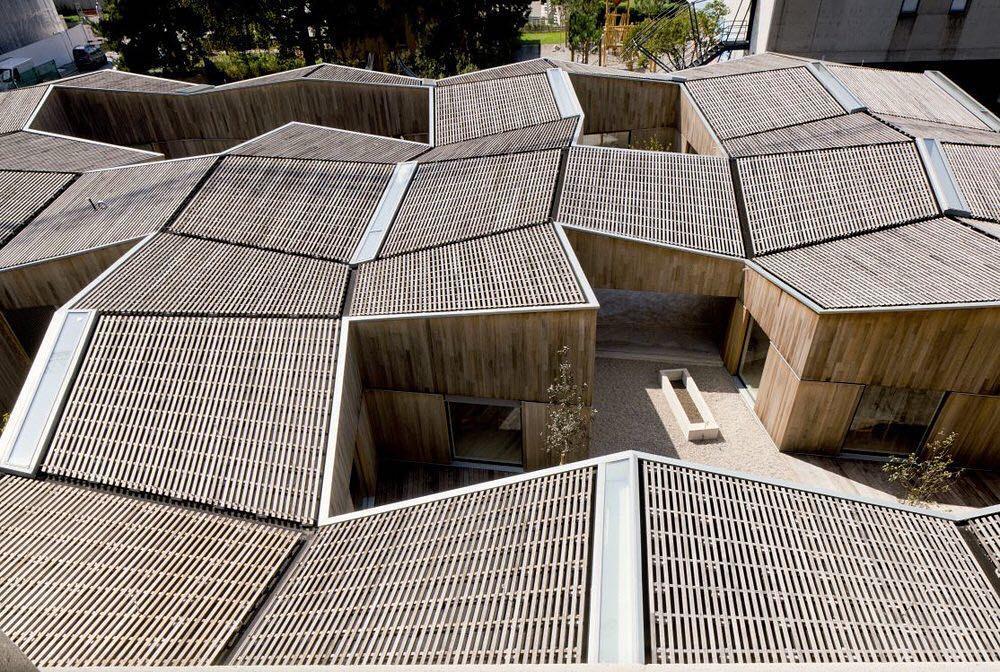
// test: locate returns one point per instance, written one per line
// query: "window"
(891, 420)
(959, 7)
(909, 7)
(754, 353)
(486, 431)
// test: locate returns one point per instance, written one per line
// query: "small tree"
(567, 427)
(583, 27)
(926, 478)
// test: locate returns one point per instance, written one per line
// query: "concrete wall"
(27, 21)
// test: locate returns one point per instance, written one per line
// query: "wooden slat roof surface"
(115, 80)
(92, 578)
(764, 62)
(904, 94)
(39, 151)
(594, 70)
(930, 262)
(17, 106)
(24, 194)
(746, 572)
(547, 135)
(497, 576)
(917, 128)
(457, 200)
(175, 274)
(465, 111)
(795, 199)
(676, 199)
(273, 78)
(525, 268)
(306, 141)
(229, 412)
(850, 130)
(530, 67)
(987, 531)
(317, 208)
(761, 101)
(977, 172)
(138, 200)
(341, 73)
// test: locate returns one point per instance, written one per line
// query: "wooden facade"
(975, 419)
(185, 125)
(14, 365)
(736, 332)
(409, 426)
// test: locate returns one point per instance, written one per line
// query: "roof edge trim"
(843, 95)
(566, 101)
(385, 212)
(946, 190)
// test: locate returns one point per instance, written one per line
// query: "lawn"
(547, 37)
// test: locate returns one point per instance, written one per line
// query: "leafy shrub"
(567, 427)
(925, 478)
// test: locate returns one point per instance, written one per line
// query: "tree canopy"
(431, 37)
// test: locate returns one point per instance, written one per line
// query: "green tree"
(567, 426)
(673, 37)
(583, 26)
(928, 477)
(165, 36)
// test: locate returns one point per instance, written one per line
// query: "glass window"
(891, 420)
(754, 354)
(909, 7)
(959, 6)
(486, 431)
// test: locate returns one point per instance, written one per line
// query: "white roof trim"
(946, 190)
(843, 95)
(566, 99)
(385, 212)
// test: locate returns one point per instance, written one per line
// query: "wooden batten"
(733, 339)
(804, 415)
(975, 419)
(616, 263)
(14, 365)
(184, 124)
(494, 356)
(614, 105)
(409, 426)
(54, 282)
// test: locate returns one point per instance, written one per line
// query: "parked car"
(89, 57)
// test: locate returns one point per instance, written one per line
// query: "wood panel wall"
(533, 420)
(14, 365)
(53, 283)
(694, 129)
(975, 418)
(500, 356)
(349, 428)
(615, 263)
(803, 415)
(613, 105)
(788, 323)
(409, 426)
(735, 336)
(181, 125)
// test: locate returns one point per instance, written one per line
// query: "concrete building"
(27, 21)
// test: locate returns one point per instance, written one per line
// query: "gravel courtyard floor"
(633, 415)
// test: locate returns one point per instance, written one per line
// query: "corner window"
(891, 420)
(754, 353)
(486, 431)
(909, 7)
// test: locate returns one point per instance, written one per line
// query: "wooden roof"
(457, 200)
(92, 578)
(115, 80)
(763, 62)
(526, 268)
(17, 106)
(738, 105)
(498, 576)
(29, 150)
(479, 108)
(532, 66)
(594, 70)
(273, 78)
(930, 262)
(176, 274)
(977, 172)
(987, 532)
(341, 73)
(747, 572)
(904, 94)
(137, 200)
(850, 130)
(676, 199)
(228, 412)
(306, 141)
(24, 194)
(917, 128)
(796, 199)
(547, 135)
(318, 208)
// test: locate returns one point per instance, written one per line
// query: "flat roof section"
(937, 261)
(526, 268)
(468, 198)
(232, 413)
(851, 130)
(317, 208)
(34, 150)
(106, 207)
(126, 581)
(306, 141)
(547, 135)
(977, 172)
(660, 197)
(808, 197)
(475, 109)
(175, 274)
